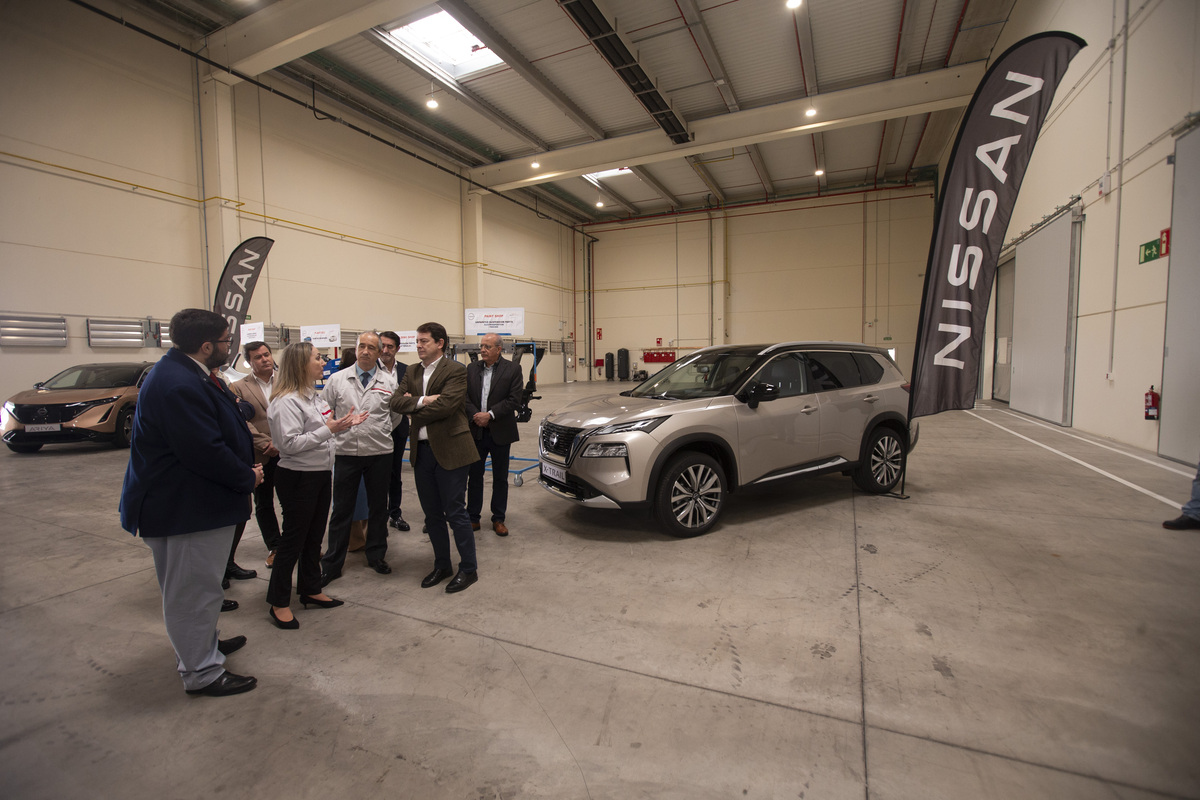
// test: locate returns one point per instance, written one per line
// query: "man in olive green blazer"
(434, 394)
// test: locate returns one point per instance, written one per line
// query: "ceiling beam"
(289, 29)
(610, 196)
(915, 94)
(708, 51)
(648, 179)
(808, 71)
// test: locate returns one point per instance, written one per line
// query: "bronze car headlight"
(605, 450)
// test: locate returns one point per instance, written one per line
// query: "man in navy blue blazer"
(190, 476)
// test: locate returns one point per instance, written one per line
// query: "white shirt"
(266, 387)
(423, 436)
(486, 389)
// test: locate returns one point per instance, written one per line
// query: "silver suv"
(731, 416)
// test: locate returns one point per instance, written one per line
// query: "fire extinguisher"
(1151, 404)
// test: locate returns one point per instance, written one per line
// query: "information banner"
(322, 335)
(504, 321)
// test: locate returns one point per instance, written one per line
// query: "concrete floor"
(1022, 626)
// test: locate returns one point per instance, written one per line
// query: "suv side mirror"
(39, 384)
(757, 393)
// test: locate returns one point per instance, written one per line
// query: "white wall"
(365, 236)
(846, 268)
(1079, 143)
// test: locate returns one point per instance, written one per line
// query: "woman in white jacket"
(302, 428)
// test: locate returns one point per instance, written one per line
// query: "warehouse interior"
(1020, 626)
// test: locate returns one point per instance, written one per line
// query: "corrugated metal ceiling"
(752, 52)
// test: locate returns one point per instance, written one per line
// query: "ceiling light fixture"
(599, 203)
(432, 101)
(819, 173)
(812, 112)
(534, 165)
(793, 4)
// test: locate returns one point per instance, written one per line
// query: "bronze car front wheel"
(690, 494)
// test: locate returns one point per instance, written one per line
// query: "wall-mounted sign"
(322, 335)
(408, 341)
(253, 332)
(504, 321)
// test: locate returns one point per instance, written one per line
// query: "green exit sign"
(1157, 249)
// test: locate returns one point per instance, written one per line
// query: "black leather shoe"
(436, 577)
(291, 625)
(461, 581)
(1183, 523)
(399, 524)
(227, 684)
(305, 600)
(381, 567)
(239, 574)
(229, 605)
(227, 646)
(224, 584)
(329, 577)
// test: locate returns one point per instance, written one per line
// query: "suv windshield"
(701, 375)
(95, 376)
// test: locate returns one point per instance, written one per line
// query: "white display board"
(322, 335)
(253, 332)
(1178, 432)
(504, 321)
(408, 341)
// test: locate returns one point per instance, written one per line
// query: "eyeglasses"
(221, 341)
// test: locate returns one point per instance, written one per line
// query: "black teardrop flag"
(987, 165)
(238, 280)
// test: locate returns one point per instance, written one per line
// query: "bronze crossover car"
(80, 404)
(730, 416)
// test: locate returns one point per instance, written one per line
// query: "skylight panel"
(442, 40)
(609, 173)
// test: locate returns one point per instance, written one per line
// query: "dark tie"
(365, 378)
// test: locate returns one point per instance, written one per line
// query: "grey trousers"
(190, 567)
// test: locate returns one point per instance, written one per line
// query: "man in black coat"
(389, 345)
(191, 471)
(493, 397)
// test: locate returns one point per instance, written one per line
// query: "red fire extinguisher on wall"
(1151, 404)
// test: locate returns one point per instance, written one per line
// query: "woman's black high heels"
(305, 600)
(291, 625)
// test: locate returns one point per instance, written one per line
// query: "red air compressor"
(1152, 404)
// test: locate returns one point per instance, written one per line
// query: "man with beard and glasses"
(188, 484)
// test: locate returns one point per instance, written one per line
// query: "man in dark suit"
(493, 397)
(434, 393)
(255, 389)
(389, 345)
(191, 471)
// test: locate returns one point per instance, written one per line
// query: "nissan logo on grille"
(42, 412)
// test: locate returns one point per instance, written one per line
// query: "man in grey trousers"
(191, 471)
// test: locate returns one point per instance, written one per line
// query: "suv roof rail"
(836, 345)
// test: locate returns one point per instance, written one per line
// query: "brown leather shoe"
(474, 526)
(500, 528)
(270, 559)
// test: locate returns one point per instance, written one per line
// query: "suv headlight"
(618, 449)
(605, 450)
(643, 425)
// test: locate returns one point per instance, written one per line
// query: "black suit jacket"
(504, 398)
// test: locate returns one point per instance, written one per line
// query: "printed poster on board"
(504, 321)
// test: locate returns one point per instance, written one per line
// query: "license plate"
(48, 427)
(554, 473)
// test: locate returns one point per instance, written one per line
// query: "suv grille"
(28, 414)
(558, 439)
